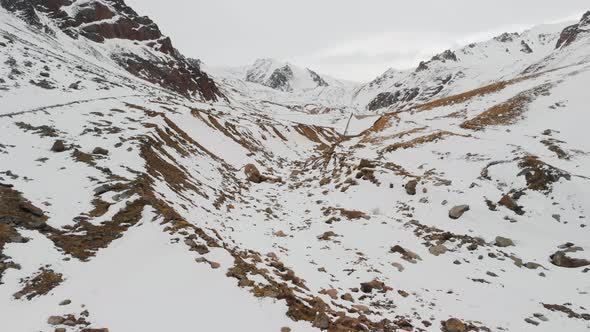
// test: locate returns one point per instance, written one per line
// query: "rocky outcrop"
(571, 33)
(525, 48)
(317, 78)
(280, 78)
(387, 99)
(24, 9)
(443, 57)
(99, 20)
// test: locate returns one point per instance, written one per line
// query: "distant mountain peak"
(283, 76)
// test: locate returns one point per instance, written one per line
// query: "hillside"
(138, 192)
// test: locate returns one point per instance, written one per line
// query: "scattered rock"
(100, 151)
(454, 325)
(541, 317)
(347, 297)
(361, 308)
(438, 249)
(406, 254)
(511, 204)
(561, 259)
(58, 146)
(503, 242)
(253, 174)
(533, 265)
(364, 163)
(280, 234)
(55, 320)
(285, 329)
(411, 187)
(330, 292)
(327, 236)
(458, 211)
(368, 287)
(321, 321)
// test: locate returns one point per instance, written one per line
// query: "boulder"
(561, 259)
(438, 249)
(454, 325)
(458, 211)
(511, 204)
(58, 146)
(65, 302)
(253, 174)
(100, 151)
(411, 187)
(503, 242)
(368, 287)
(55, 320)
(364, 163)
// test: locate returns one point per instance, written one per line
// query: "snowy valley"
(141, 190)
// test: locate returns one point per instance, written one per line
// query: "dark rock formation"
(93, 21)
(525, 48)
(280, 78)
(571, 33)
(317, 78)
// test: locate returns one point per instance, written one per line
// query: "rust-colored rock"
(454, 325)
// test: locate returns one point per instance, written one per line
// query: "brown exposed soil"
(42, 131)
(420, 140)
(539, 175)
(569, 312)
(506, 113)
(84, 239)
(41, 284)
(553, 146)
(462, 97)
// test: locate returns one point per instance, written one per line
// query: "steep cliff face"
(150, 55)
(571, 33)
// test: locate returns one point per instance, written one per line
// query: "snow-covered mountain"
(284, 76)
(455, 71)
(284, 90)
(139, 193)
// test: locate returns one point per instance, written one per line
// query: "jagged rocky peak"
(283, 76)
(443, 57)
(280, 78)
(571, 33)
(507, 37)
(102, 20)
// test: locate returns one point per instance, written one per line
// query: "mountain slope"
(127, 204)
(452, 72)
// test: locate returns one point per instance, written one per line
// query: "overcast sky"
(349, 39)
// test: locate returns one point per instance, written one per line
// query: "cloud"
(367, 58)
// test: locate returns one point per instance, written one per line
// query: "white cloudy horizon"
(358, 42)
